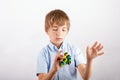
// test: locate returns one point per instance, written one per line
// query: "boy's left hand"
(94, 51)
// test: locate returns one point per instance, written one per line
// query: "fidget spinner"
(66, 59)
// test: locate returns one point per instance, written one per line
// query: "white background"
(22, 34)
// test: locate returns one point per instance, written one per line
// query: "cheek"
(65, 34)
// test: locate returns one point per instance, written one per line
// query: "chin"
(59, 42)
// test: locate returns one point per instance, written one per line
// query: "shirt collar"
(54, 48)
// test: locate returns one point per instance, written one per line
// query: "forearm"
(49, 76)
(88, 71)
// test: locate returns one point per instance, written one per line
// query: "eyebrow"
(57, 27)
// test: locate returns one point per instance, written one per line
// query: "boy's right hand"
(57, 65)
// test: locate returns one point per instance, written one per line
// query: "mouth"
(58, 38)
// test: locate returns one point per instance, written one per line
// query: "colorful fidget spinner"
(66, 59)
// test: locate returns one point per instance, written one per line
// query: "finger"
(95, 45)
(61, 57)
(100, 48)
(101, 53)
(58, 54)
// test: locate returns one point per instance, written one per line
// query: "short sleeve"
(79, 57)
(41, 63)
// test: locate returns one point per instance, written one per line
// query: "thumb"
(87, 49)
(58, 54)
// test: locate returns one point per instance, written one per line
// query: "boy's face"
(57, 34)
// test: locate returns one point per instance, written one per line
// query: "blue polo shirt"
(68, 72)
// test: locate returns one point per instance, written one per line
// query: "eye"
(64, 29)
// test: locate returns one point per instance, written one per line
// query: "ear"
(47, 32)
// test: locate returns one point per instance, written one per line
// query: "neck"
(57, 45)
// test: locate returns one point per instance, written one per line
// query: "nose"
(59, 32)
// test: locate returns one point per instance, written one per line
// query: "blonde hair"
(56, 16)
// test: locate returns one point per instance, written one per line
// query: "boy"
(57, 26)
